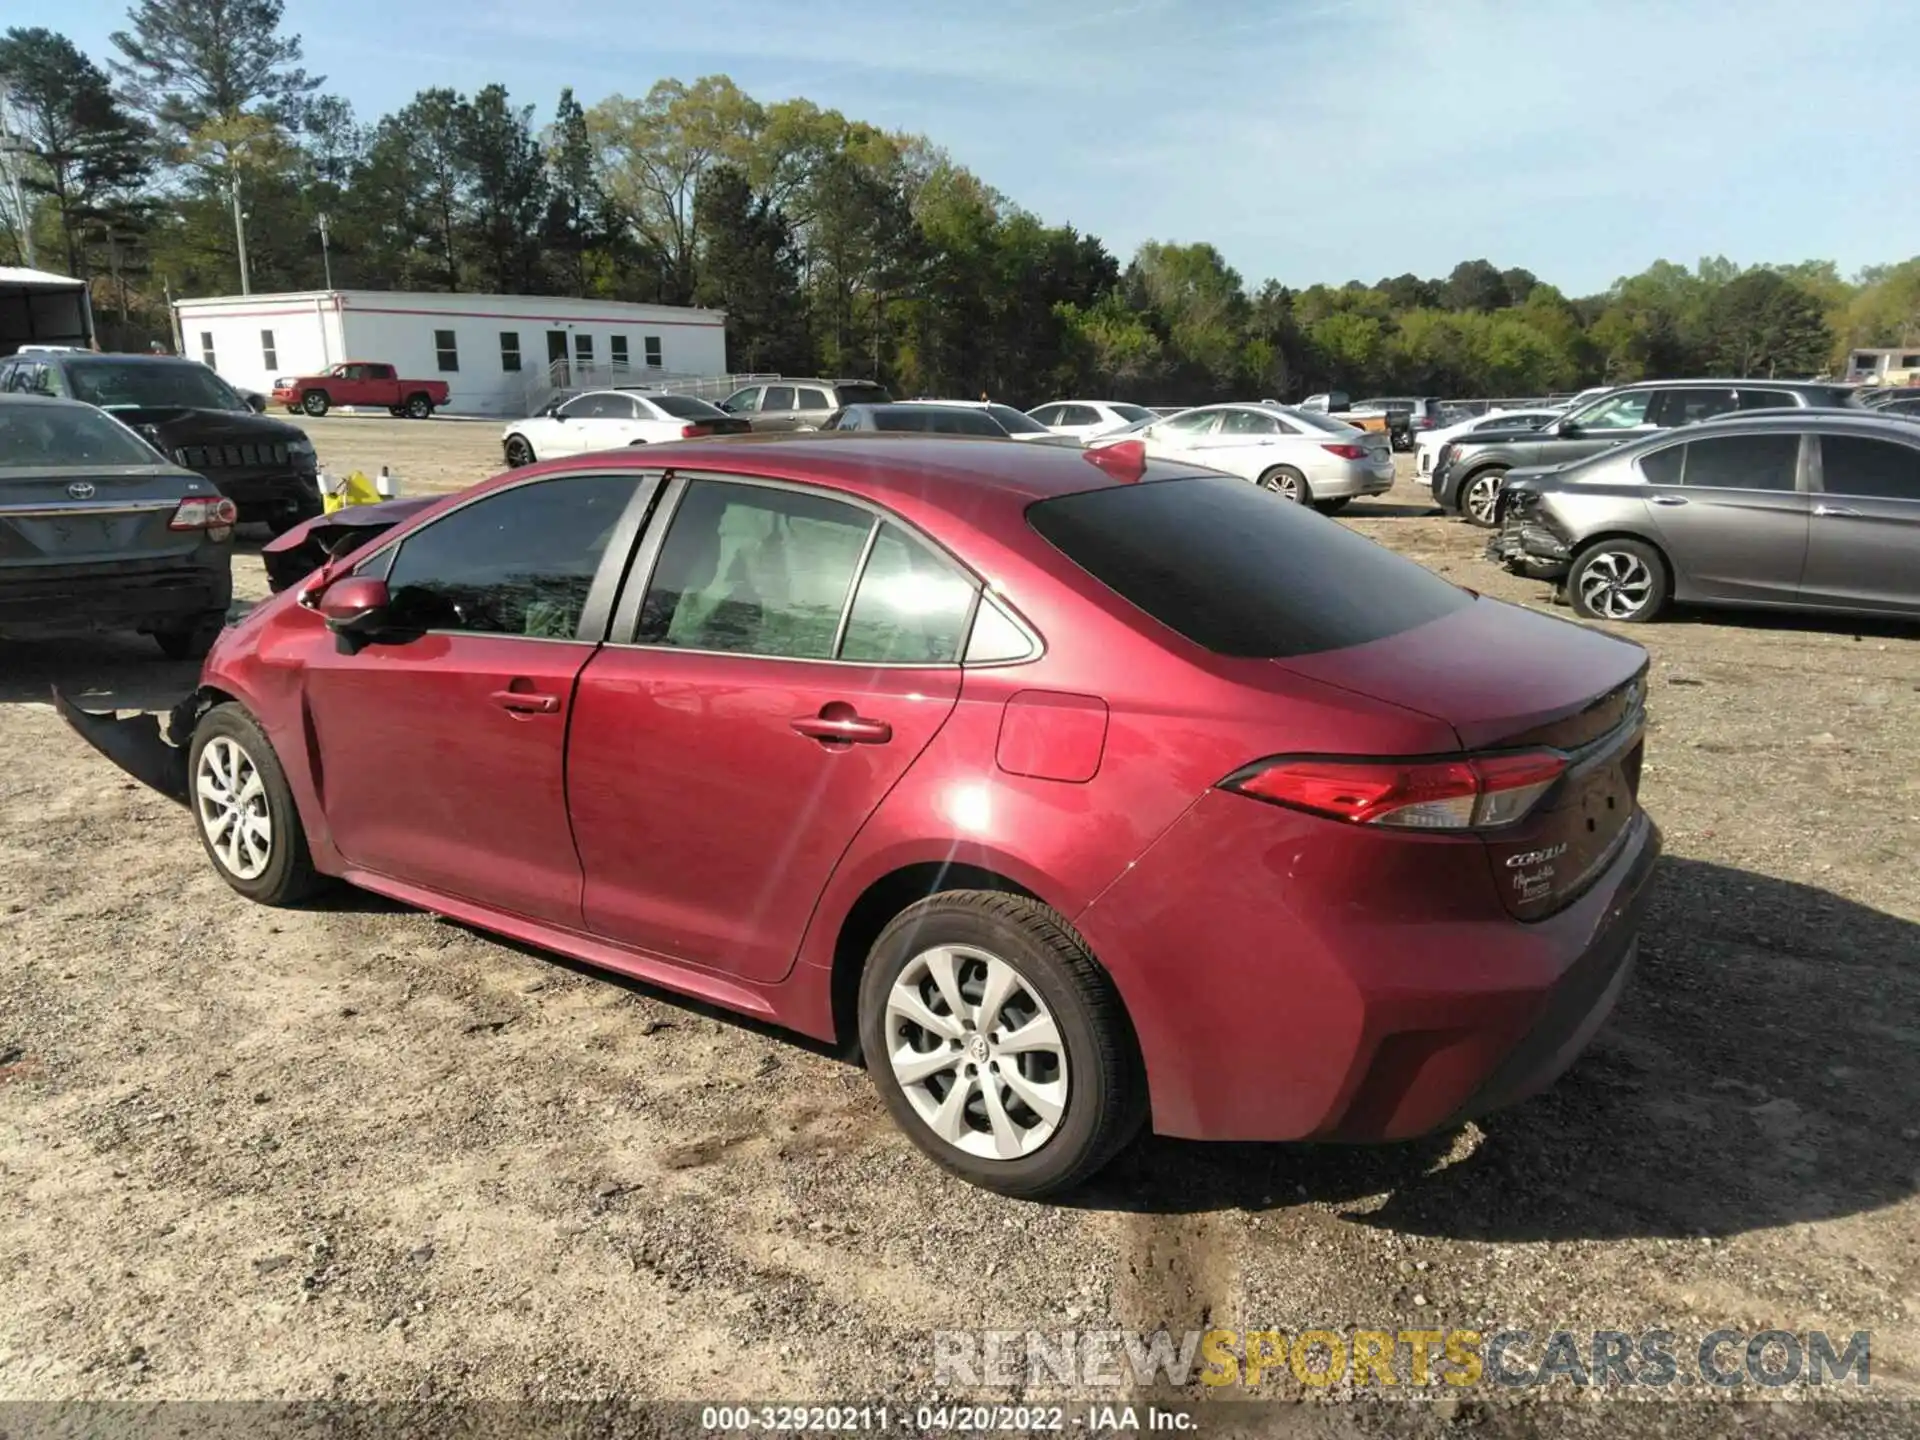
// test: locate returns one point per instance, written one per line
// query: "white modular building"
(499, 354)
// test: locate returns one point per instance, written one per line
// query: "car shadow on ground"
(1763, 1069)
(97, 672)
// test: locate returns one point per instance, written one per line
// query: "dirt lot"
(354, 1151)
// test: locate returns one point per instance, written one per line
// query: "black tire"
(315, 403)
(1621, 580)
(289, 876)
(418, 407)
(519, 452)
(193, 639)
(1106, 1099)
(1288, 483)
(1334, 506)
(1479, 496)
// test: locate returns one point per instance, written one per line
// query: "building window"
(268, 355)
(583, 348)
(618, 344)
(509, 349)
(446, 351)
(206, 350)
(653, 352)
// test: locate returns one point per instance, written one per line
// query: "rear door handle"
(839, 722)
(524, 702)
(1834, 510)
(1669, 500)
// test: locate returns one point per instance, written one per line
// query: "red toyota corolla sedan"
(1080, 790)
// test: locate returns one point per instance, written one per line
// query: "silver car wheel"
(976, 1052)
(1483, 496)
(1284, 484)
(1616, 585)
(231, 801)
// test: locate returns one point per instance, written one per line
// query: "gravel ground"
(357, 1152)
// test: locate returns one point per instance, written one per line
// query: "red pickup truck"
(359, 382)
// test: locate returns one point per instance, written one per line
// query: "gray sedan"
(1797, 510)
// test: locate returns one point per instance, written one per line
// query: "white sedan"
(1427, 444)
(1084, 419)
(1306, 458)
(613, 420)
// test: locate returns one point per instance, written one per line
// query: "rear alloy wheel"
(1288, 483)
(1623, 580)
(998, 1044)
(418, 407)
(248, 822)
(1480, 497)
(519, 452)
(315, 403)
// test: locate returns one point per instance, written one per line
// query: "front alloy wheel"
(231, 799)
(1480, 500)
(977, 1053)
(1619, 580)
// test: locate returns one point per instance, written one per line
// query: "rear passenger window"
(813, 400)
(1742, 462)
(751, 570)
(778, 397)
(1215, 560)
(1662, 467)
(1765, 400)
(911, 607)
(1875, 469)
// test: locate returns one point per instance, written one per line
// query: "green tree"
(1762, 323)
(81, 149)
(576, 223)
(186, 62)
(1475, 285)
(504, 196)
(750, 269)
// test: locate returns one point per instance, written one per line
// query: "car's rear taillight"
(1466, 793)
(1346, 452)
(694, 432)
(209, 514)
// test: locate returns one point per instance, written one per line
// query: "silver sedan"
(1307, 458)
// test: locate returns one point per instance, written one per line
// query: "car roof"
(1790, 418)
(94, 357)
(1750, 382)
(947, 471)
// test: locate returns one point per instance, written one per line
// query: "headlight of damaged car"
(302, 453)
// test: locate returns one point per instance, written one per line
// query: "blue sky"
(1311, 140)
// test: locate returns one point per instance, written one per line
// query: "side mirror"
(256, 403)
(356, 605)
(1565, 427)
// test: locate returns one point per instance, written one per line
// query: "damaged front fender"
(138, 744)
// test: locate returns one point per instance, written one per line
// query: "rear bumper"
(137, 744)
(1292, 979)
(1356, 478)
(137, 595)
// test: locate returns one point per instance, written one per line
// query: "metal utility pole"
(326, 259)
(239, 233)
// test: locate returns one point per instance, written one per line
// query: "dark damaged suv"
(266, 467)
(1468, 474)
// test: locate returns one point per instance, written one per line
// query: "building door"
(557, 359)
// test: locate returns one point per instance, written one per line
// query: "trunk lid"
(81, 515)
(1504, 678)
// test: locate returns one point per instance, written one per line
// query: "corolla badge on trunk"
(1536, 857)
(80, 490)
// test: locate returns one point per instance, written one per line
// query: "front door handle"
(840, 724)
(1669, 500)
(525, 702)
(1834, 510)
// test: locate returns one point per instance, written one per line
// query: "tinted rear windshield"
(62, 435)
(1241, 571)
(861, 394)
(935, 420)
(687, 407)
